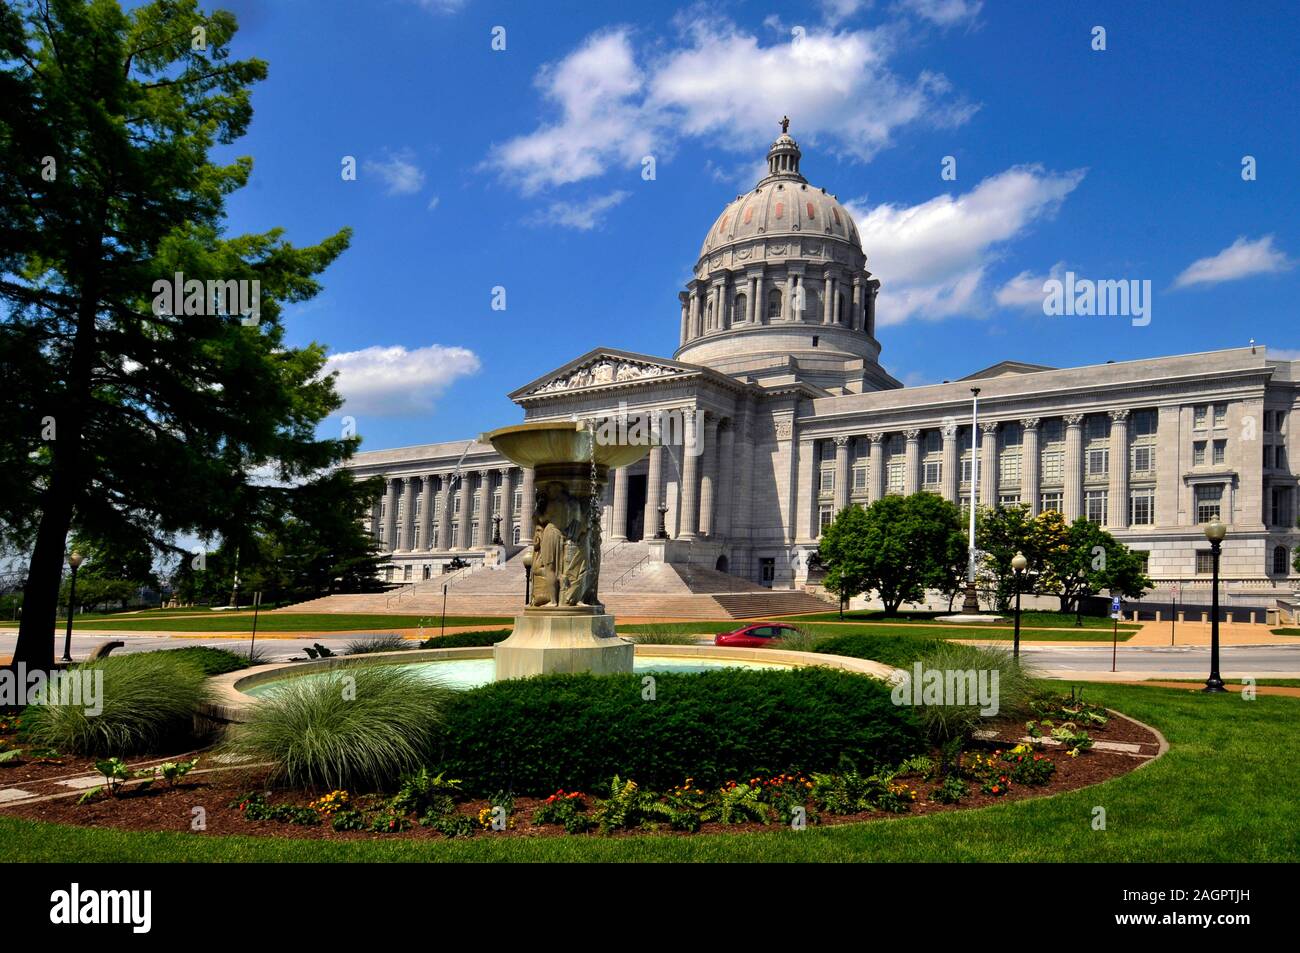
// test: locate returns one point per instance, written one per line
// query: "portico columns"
(688, 523)
(708, 474)
(527, 505)
(488, 508)
(694, 322)
(654, 492)
(408, 516)
(426, 512)
(618, 531)
(876, 467)
(1118, 489)
(1073, 466)
(1030, 474)
(841, 497)
(828, 299)
(390, 515)
(444, 513)
(988, 463)
(684, 298)
(507, 505)
(857, 303)
(951, 468)
(912, 462)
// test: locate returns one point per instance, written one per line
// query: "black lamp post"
(496, 530)
(528, 572)
(1215, 532)
(1082, 576)
(74, 561)
(1019, 564)
(662, 531)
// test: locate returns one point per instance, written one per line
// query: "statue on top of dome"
(785, 124)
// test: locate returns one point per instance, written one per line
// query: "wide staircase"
(630, 585)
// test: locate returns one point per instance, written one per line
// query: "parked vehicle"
(756, 635)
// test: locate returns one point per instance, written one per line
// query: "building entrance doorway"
(636, 493)
(767, 572)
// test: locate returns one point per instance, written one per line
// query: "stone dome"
(782, 275)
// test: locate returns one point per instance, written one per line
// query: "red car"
(757, 635)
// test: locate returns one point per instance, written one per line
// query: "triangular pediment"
(604, 367)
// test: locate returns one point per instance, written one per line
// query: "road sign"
(1114, 607)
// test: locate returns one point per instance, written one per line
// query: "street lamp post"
(1082, 576)
(528, 572)
(74, 561)
(1215, 532)
(1019, 564)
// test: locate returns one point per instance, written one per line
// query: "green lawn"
(1286, 631)
(1030, 619)
(281, 622)
(1224, 792)
(989, 633)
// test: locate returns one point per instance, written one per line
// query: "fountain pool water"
(472, 672)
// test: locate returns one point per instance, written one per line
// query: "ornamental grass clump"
(359, 726)
(147, 702)
(1011, 691)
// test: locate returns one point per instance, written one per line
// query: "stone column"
(715, 295)
(1117, 492)
(842, 471)
(376, 521)
(1073, 496)
(876, 467)
(857, 303)
(912, 462)
(695, 332)
(654, 491)
(507, 504)
(618, 528)
(724, 499)
(426, 513)
(708, 474)
(408, 516)
(787, 299)
(390, 515)
(951, 464)
(527, 504)
(459, 493)
(988, 463)
(1030, 459)
(688, 521)
(686, 315)
(873, 288)
(444, 513)
(760, 307)
(828, 296)
(488, 509)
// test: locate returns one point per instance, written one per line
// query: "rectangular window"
(406, 573)
(1097, 427)
(1094, 506)
(1281, 499)
(1144, 423)
(965, 469)
(859, 478)
(1220, 415)
(1200, 417)
(895, 474)
(1053, 466)
(1209, 502)
(1098, 462)
(828, 479)
(519, 499)
(1198, 453)
(1009, 499)
(456, 507)
(1142, 457)
(1141, 507)
(1050, 501)
(1220, 452)
(1204, 562)
(473, 534)
(1268, 456)
(932, 472)
(1280, 458)
(1009, 468)
(1268, 421)
(824, 517)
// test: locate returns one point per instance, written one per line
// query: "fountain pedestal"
(576, 639)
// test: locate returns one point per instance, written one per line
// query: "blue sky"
(521, 168)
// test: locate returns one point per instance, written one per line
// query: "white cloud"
(583, 215)
(836, 11)
(943, 12)
(396, 381)
(433, 203)
(720, 83)
(1239, 260)
(1283, 354)
(400, 175)
(931, 258)
(442, 6)
(1025, 290)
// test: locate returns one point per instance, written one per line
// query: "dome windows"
(774, 303)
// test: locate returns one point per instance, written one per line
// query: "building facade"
(774, 413)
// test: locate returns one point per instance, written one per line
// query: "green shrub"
(356, 726)
(1015, 688)
(211, 661)
(663, 634)
(897, 650)
(466, 640)
(535, 735)
(148, 703)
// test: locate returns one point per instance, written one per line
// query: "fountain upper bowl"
(560, 441)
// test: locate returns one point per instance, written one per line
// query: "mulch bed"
(160, 808)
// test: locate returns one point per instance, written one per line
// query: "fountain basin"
(559, 442)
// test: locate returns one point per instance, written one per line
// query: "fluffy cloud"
(1239, 260)
(932, 257)
(396, 381)
(583, 214)
(943, 12)
(399, 174)
(719, 82)
(1025, 290)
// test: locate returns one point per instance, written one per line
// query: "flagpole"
(971, 603)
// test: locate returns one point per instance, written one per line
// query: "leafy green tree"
(905, 545)
(1091, 560)
(1003, 531)
(841, 553)
(123, 415)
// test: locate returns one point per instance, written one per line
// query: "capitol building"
(788, 417)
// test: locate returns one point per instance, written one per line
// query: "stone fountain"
(565, 627)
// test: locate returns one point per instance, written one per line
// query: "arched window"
(774, 304)
(738, 312)
(1280, 567)
(514, 536)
